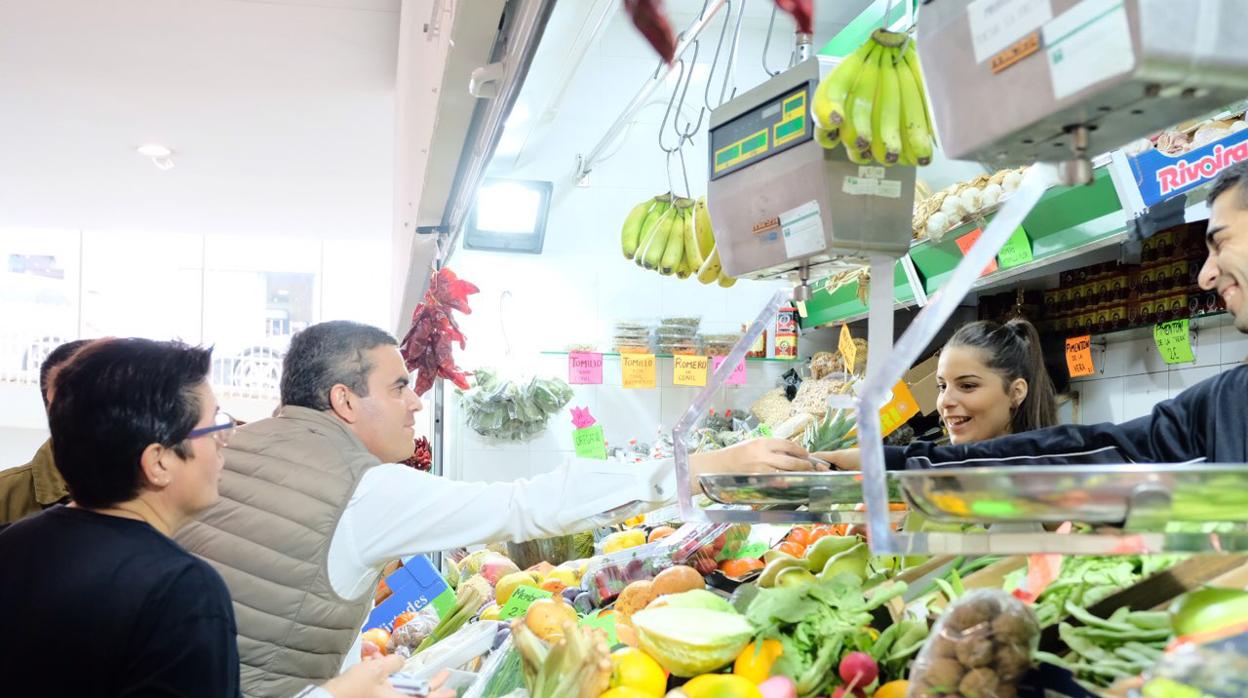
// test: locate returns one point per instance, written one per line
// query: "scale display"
(770, 128)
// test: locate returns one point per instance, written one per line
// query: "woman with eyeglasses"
(99, 587)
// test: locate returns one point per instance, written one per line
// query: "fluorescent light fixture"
(161, 156)
(509, 215)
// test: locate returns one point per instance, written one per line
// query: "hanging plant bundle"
(505, 410)
(427, 347)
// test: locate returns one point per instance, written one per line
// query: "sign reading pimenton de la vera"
(1160, 176)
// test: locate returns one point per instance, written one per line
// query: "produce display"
(673, 235)
(958, 203)
(1187, 137)
(504, 410)
(873, 103)
(982, 646)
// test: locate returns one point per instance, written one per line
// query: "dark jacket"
(1208, 422)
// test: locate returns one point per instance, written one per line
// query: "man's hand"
(371, 679)
(848, 459)
(748, 457)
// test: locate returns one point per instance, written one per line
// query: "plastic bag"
(414, 631)
(980, 648)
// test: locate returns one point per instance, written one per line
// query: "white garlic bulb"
(992, 194)
(1011, 181)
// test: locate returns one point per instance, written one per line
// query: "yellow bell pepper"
(720, 686)
(755, 663)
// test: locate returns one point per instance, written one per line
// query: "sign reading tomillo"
(1160, 176)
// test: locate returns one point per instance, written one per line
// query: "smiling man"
(1207, 422)
(313, 503)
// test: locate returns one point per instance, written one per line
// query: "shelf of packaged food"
(1067, 223)
(616, 355)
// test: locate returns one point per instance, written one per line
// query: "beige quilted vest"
(285, 485)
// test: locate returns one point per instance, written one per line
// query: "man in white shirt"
(313, 503)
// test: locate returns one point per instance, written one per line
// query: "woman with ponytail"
(993, 382)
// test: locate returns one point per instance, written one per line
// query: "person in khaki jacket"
(314, 502)
(37, 485)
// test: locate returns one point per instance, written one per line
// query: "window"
(509, 216)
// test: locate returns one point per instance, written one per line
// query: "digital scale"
(1010, 82)
(782, 205)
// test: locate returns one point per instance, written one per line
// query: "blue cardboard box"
(414, 586)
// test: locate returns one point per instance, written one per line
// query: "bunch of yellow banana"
(672, 235)
(874, 104)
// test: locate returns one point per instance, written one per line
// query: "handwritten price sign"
(1174, 341)
(638, 370)
(1079, 356)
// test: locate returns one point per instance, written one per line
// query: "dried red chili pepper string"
(427, 346)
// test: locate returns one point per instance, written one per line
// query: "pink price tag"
(738, 375)
(584, 368)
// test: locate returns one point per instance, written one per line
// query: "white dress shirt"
(397, 511)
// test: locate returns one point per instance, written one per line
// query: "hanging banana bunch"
(873, 103)
(673, 236)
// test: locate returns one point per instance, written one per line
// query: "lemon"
(721, 686)
(626, 692)
(635, 670)
(892, 689)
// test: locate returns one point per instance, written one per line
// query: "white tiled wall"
(1131, 377)
(624, 415)
(580, 284)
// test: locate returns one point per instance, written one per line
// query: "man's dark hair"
(326, 354)
(117, 397)
(1235, 176)
(55, 358)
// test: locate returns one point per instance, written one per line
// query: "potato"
(636, 596)
(975, 652)
(677, 579)
(981, 683)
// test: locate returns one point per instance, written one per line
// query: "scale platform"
(1127, 509)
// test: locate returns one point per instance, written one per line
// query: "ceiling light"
(154, 150)
(160, 155)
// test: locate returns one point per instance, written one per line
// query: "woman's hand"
(749, 457)
(848, 459)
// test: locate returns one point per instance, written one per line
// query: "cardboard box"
(414, 586)
(922, 382)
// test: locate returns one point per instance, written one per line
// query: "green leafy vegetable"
(818, 623)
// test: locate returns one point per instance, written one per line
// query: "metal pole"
(586, 163)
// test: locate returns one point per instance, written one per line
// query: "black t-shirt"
(96, 605)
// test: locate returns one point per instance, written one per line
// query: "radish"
(778, 687)
(859, 669)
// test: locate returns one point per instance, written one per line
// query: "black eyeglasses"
(221, 430)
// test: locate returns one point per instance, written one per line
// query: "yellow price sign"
(898, 411)
(849, 351)
(637, 370)
(689, 370)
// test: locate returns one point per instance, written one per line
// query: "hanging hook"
(667, 113)
(888, 9)
(719, 45)
(690, 128)
(684, 173)
(767, 44)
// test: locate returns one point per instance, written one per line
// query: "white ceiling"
(280, 114)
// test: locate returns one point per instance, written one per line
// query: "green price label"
(750, 550)
(604, 623)
(1174, 341)
(520, 600)
(1017, 250)
(590, 443)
